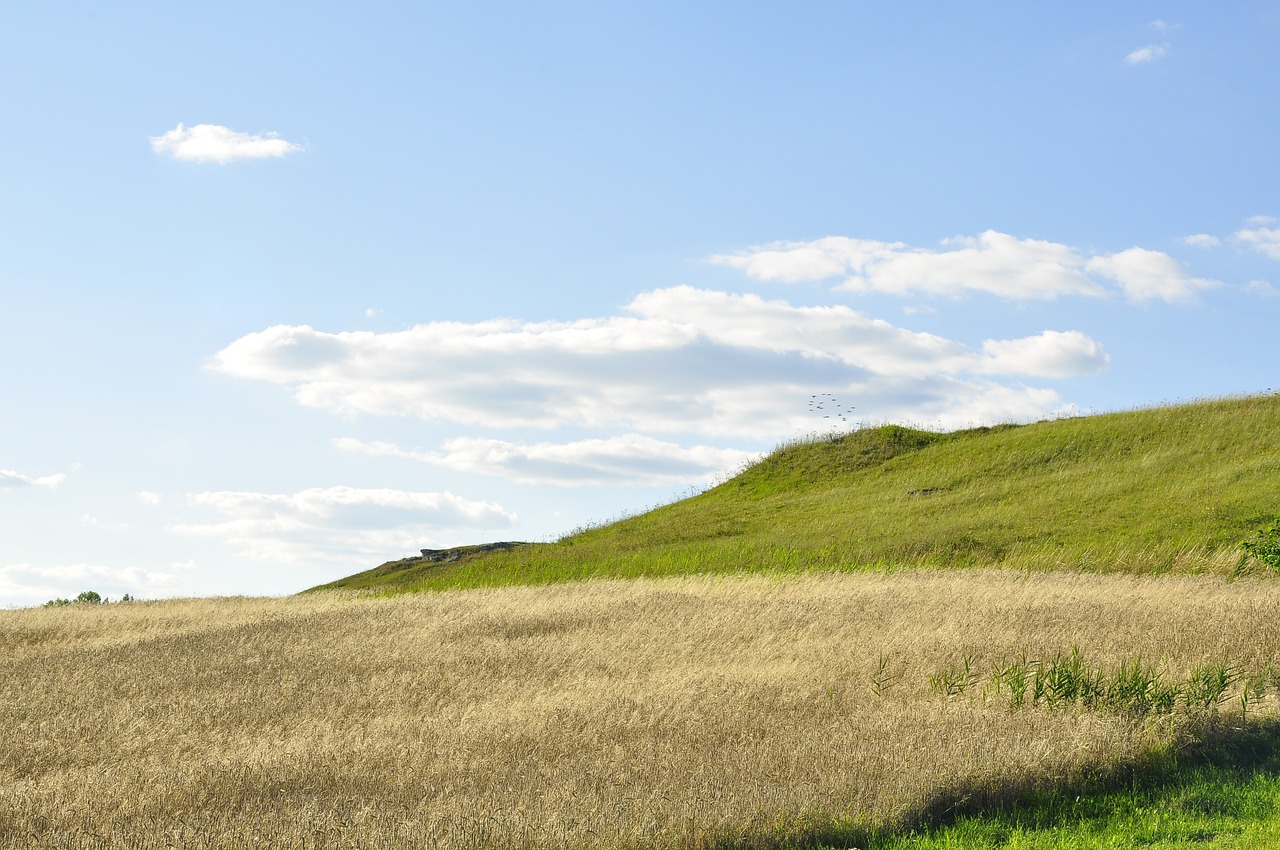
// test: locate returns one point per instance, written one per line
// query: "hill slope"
(1164, 489)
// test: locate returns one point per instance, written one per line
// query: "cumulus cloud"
(342, 524)
(149, 497)
(992, 262)
(29, 584)
(1201, 240)
(1146, 275)
(1052, 354)
(214, 143)
(625, 459)
(1265, 240)
(1150, 53)
(10, 478)
(682, 360)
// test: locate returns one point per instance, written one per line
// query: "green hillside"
(1169, 489)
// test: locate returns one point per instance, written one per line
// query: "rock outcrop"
(447, 556)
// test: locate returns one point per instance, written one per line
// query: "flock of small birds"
(828, 406)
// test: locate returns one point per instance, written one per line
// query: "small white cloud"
(183, 566)
(343, 524)
(1145, 275)
(1265, 240)
(1261, 220)
(372, 313)
(794, 262)
(626, 459)
(1201, 240)
(214, 143)
(1163, 26)
(1262, 287)
(95, 522)
(1150, 53)
(10, 478)
(149, 497)
(1052, 354)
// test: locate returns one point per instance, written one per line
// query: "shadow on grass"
(1200, 774)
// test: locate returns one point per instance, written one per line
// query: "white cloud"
(1052, 354)
(214, 143)
(1201, 240)
(27, 584)
(1262, 287)
(343, 524)
(1257, 220)
(1150, 53)
(1265, 240)
(992, 262)
(1145, 275)
(793, 262)
(684, 361)
(148, 497)
(97, 522)
(625, 459)
(10, 478)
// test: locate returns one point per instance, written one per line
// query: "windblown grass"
(689, 712)
(1166, 490)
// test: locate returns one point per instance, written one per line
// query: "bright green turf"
(1223, 792)
(1164, 489)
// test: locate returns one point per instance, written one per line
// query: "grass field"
(1017, 637)
(682, 712)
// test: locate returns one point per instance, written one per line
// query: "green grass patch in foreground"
(1222, 792)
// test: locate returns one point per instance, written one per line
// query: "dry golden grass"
(650, 713)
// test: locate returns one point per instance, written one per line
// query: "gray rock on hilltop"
(445, 556)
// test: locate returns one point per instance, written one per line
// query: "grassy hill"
(1169, 489)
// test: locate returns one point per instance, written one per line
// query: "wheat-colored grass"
(652, 713)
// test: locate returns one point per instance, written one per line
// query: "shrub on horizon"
(86, 597)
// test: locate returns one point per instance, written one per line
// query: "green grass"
(1169, 489)
(1222, 792)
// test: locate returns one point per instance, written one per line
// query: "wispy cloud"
(10, 478)
(1201, 240)
(625, 459)
(992, 262)
(148, 497)
(1150, 53)
(342, 524)
(214, 143)
(683, 360)
(1265, 240)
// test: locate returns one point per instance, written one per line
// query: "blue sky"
(287, 292)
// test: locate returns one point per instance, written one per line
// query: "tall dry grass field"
(652, 713)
